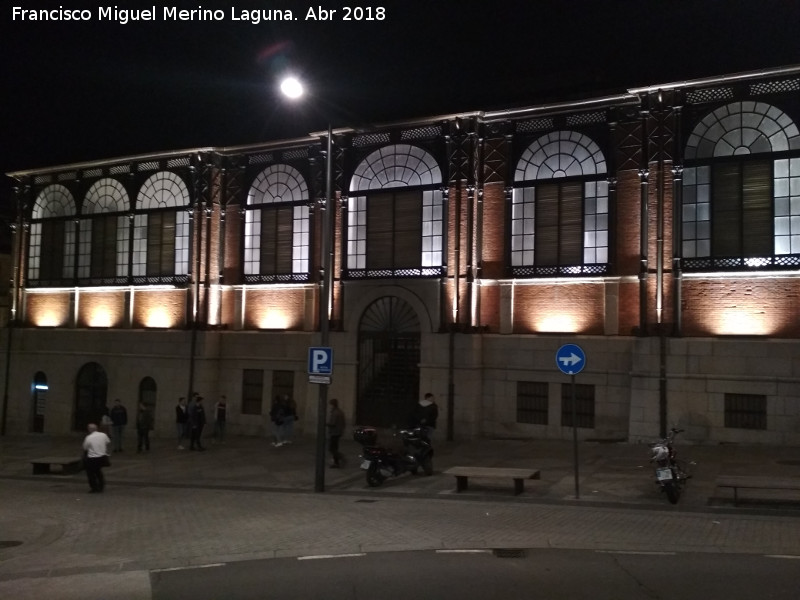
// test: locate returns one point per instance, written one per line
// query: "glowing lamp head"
(292, 88)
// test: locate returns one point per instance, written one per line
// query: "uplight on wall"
(273, 319)
(158, 318)
(100, 317)
(742, 321)
(556, 323)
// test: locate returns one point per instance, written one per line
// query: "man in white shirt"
(95, 447)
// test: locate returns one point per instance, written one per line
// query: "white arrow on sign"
(572, 359)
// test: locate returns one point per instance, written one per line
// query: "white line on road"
(320, 556)
(636, 552)
(208, 566)
(789, 556)
(463, 551)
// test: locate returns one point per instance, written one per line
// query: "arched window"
(161, 227)
(741, 189)
(559, 207)
(103, 248)
(277, 237)
(51, 247)
(395, 215)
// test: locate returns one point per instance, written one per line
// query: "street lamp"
(293, 89)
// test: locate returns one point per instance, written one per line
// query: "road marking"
(635, 552)
(463, 551)
(321, 556)
(789, 556)
(208, 566)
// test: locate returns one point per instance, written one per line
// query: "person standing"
(119, 418)
(425, 414)
(277, 414)
(197, 420)
(336, 425)
(95, 452)
(290, 416)
(144, 423)
(181, 420)
(220, 418)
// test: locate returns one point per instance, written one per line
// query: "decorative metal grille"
(586, 118)
(147, 166)
(295, 154)
(709, 95)
(421, 133)
(560, 271)
(766, 263)
(370, 139)
(535, 125)
(93, 173)
(178, 162)
(69, 176)
(120, 169)
(775, 87)
(584, 406)
(259, 159)
(41, 179)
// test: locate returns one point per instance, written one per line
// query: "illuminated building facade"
(659, 229)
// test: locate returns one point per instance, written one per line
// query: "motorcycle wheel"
(427, 465)
(374, 476)
(673, 493)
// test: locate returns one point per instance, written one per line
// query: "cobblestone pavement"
(246, 500)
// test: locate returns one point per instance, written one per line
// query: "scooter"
(380, 462)
(670, 473)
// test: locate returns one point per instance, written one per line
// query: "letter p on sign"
(320, 361)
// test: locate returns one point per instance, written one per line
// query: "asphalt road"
(530, 574)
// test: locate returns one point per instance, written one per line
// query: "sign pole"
(575, 438)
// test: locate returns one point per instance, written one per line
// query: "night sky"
(74, 91)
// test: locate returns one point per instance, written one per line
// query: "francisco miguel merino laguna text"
(173, 13)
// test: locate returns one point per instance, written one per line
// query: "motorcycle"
(381, 463)
(670, 472)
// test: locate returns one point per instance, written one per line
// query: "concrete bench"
(756, 482)
(462, 475)
(68, 464)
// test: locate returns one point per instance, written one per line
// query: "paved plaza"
(244, 499)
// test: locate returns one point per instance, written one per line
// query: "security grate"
(259, 159)
(370, 139)
(746, 411)
(295, 154)
(586, 118)
(532, 402)
(421, 133)
(534, 125)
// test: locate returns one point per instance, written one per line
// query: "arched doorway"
(38, 402)
(388, 363)
(90, 395)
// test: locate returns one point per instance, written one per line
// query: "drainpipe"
(677, 234)
(19, 229)
(662, 345)
(221, 233)
(194, 285)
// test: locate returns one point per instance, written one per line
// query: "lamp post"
(292, 88)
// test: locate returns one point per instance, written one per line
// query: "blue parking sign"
(320, 361)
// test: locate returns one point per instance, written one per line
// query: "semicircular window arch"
(161, 229)
(741, 190)
(560, 207)
(52, 239)
(277, 234)
(395, 214)
(104, 232)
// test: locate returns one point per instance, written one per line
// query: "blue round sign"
(570, 359)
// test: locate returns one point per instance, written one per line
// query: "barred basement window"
(283, 383)
(252, 391)
(532, 402)
(584, 405)
(746, 411)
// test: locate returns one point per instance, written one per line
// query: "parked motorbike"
(380, 462)
(671, 473)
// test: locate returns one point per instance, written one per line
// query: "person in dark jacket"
(144, 424)
(335, 426)
(119, 418)
(425, 414)
(181, 421)
(197, 420)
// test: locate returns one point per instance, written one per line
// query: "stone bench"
(756, 482)
(68, 464)
(462, 475)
